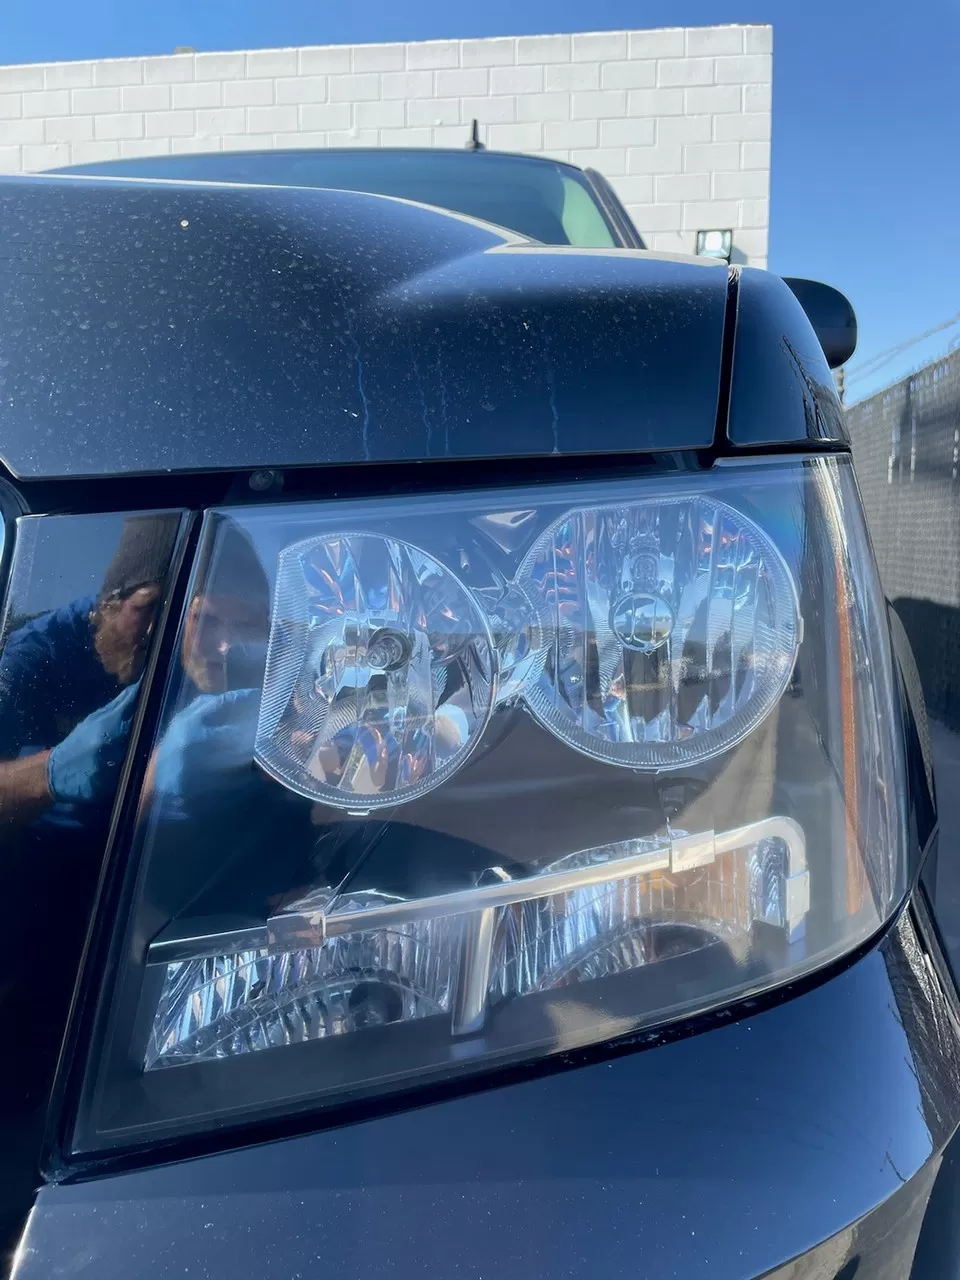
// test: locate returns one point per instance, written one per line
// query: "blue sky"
(866, 121)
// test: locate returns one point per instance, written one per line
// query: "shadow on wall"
(934, 633)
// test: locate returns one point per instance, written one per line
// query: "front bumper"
(805, 1140)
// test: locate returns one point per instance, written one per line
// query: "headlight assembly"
(520, 771)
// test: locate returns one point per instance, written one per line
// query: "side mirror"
(833, 318)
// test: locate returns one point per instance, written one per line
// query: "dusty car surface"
(464, 804)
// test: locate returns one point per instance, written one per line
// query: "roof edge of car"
(524, 156)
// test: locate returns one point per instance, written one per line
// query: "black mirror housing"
(831, 315)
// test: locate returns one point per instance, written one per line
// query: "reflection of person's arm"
(24, 789)
(83, 769)
(150, 778)
(204, 760)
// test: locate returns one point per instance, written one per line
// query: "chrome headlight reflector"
(380, 673)
(671, 628)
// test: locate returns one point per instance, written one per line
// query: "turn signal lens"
(222, 1006)
(380, 960)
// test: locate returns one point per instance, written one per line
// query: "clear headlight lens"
(670, 629)
(524, 771)
(380, 674)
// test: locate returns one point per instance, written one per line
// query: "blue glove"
(205, 759)
(85, 767)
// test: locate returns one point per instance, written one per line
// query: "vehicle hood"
(150, 326)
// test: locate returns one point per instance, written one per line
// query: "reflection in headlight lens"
(670, 629)
(380, 675)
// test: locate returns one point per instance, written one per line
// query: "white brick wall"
(677, 119)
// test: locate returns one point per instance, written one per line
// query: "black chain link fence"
(906, 446)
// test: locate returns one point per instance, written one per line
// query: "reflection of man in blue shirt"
(68, 686)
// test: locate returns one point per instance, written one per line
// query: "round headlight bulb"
(669, 629)
(381, 672)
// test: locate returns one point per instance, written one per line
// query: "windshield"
(544, 200)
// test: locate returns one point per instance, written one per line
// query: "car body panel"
(781, 387)
(229, 327)
(370, 331)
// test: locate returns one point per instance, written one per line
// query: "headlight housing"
(500, 775)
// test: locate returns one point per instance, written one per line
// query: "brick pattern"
(677, 119)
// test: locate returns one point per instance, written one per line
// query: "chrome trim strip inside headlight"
(301, 928)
